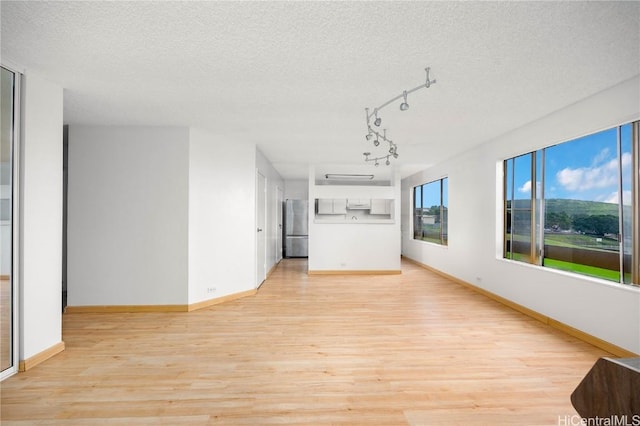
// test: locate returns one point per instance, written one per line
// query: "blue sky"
(432, 194)
(583, 169)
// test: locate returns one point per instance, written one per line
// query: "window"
(569, 206)
(431, 211)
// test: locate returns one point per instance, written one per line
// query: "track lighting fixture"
(404, 106)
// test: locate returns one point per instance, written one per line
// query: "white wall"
(354, 247)
(127, 215)
(160, 215)
(474, 254)
(40, 216)
(221, 216)
(296, 189)
(274, 180)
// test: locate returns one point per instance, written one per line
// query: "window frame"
(15, 223)
(538, 211)
(443, 212)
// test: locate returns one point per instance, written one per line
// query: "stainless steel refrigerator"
(296, 228)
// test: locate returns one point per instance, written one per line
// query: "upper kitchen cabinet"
(380, 206)
(331, 206)
(354, 210)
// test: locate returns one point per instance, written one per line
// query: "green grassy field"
(583, 269)
(431, 233)
(573, 240)
(578, 241)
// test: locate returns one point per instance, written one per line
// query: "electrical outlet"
(211, 289)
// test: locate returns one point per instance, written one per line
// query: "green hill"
(589, 217)
(573, 207)
(580, 207)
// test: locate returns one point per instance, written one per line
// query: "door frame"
(279, 220)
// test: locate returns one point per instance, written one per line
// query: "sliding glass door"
(8, 218)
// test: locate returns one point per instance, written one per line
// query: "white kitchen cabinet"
(332, 206)
(354, 210)
(380, 206)
(340, 206)
(325, 206)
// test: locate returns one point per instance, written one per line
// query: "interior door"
(261, 224)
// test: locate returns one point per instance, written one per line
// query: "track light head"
(404, 106)
(387, 162)
(369, 136)
(376, 142)
(378, 120)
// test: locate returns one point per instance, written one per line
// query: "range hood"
(359, 203)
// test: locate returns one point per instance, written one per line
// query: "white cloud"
(526, 187)
(597, 176)
(602, 156)
(613, 198)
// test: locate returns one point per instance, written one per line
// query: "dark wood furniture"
(610, 388)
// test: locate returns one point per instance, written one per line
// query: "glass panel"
(6, 245)
(445, 211)
(538, 192)
(431, 212)
(417, 212)
(626, 141)
(581, 206)
(521, 209)
(423, 211)
(508, 196)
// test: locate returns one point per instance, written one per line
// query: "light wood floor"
(395, 349)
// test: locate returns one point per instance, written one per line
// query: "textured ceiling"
(294, 77)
